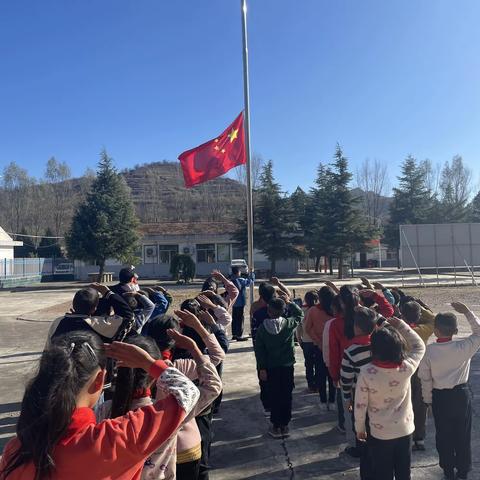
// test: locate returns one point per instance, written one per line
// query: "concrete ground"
(240, 449)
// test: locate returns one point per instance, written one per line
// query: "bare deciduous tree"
(372, 179)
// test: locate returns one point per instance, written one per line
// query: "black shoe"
(449, 474)
(353, 452)
(233, 339)
(242, 339)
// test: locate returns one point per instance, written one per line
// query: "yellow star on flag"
(233, 134)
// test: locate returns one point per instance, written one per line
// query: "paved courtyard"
(240, 450)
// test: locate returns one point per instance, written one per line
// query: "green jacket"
(277, 348)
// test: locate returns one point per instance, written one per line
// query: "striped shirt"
(355, 356)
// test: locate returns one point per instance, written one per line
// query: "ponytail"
(50, 399)
(130, 380)
(350, 300)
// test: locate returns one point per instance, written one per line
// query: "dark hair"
(191, 305)
(446, 323)
(157, 329)
(349, 301)
(266, 291)
(215, 298)
(396, 297)
(368, 302)
(365, 320)
(411, 312)
(126, 274)
(131, 379)
(85, 301)
(50, 399)
(276, 306)
(210, 284)
(311, 298)
(326, 296)
(235, 270)
(388, 345)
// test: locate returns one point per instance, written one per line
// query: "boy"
(354, 357)
(444, 374)
(383, 391)
(421, 320)
(275, 354)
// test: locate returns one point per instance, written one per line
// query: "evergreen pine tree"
(275, 232)
(474, 209)
(347, 229)
(104, 226)
(411, 202)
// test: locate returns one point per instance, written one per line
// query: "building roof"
(7, 241)
(188, 228)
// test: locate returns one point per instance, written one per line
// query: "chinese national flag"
(216, 157)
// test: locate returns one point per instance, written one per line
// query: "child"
(189, 441)
(57, 435)
(275, 354)
(383, 391)
(356, 356)
(444, 375)
(422, 321)
(311, 354)
(315, 326)
(132, 391)
(141, 306)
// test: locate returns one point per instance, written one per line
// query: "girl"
(383, 391)
(315, 321)
(310, 353)
(57, 435)
(188, 438)
(133, 391)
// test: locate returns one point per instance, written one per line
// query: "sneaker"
(418, 446)
(323, 407)
(275, 432)
(353, 452)
(285, 431)
(242, 339)
(331, 407)
(341, 429)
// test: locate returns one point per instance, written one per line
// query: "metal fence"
(14, 268)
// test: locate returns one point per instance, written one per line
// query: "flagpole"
(246, 94)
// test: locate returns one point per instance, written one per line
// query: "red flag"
(216, 157)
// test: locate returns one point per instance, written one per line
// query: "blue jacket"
(242, 284)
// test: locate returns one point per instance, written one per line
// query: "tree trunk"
(340, 266)
(317, 263)
(273, 267)
(101, 270)
(330, 265)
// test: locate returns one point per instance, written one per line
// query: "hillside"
(159, 194)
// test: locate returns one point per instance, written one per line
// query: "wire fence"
(25, 268)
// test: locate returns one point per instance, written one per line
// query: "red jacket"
(117, 448)
(384, 307)
(338, 342)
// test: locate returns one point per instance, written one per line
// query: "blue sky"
(150, 79)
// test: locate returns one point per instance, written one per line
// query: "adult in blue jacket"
(238, 317)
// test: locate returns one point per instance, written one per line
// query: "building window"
(223, 252)
(206, 253)
(238, 251)
(166, 253)
(150, 254)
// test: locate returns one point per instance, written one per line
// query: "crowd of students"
(124, 389)
(370, 356)
(127, 390)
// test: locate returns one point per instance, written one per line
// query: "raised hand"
(206, 318)
(205, 302)
(188, 319)
(378, 286)
(129, 356)
(182, 341)
(101, 289)
(460, 308)
(275, 281)
(217, 275)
